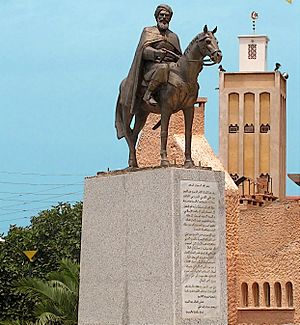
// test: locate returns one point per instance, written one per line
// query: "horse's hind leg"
(130, 140)
(140, 120)
(188, 123)
(165, 119)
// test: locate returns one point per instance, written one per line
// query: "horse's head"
(208, 46)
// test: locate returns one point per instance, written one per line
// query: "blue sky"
(61, 63)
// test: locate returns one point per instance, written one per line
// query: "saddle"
(173, 79)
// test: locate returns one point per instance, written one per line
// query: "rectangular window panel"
(252, 51)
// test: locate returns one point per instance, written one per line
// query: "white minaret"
(253, 53)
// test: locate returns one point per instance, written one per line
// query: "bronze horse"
(180, 93)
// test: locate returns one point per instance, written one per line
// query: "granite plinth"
(153, 248)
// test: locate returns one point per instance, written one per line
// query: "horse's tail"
(119, 125)
(157, 125)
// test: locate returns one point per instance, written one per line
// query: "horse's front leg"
(132, 161)
(188, 122)
(165, 119)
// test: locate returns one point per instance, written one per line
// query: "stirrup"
(151, 101)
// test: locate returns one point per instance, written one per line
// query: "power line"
(35, 201)
(40, 191)
(14, 219)
(27, 210)
(41, 174)
(40, 184)
(27, 193)
(15, 210)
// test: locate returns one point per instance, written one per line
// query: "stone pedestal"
(153, 248)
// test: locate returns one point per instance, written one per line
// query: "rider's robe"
(149, 36)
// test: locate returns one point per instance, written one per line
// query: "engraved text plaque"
(200, 266)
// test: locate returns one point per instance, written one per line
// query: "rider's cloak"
(129, 87)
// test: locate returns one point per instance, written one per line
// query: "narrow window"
(278, 294)
(267, 294)
(244, 294)
(289, 294)
(255, 293)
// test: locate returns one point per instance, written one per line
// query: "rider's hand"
(151, 54)
(160, 54)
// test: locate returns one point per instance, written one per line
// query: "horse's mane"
(187, 50)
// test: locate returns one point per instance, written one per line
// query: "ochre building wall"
(232, 219)
(269, 253)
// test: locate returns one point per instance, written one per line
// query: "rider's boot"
(148, 96)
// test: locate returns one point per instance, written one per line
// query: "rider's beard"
(163, 25)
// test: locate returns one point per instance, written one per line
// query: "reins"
(210, 62)
(206, 62)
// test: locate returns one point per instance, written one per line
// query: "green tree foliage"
(55, 233)
(57, 297)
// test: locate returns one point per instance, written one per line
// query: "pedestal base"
(153, 248)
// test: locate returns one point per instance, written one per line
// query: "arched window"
(289, 294)
(233, 136)
(264, 108)
(255, 293)
(233, 108)
(249, 108)
(244, 289)
(278, 294)
(249, 154)
(267, 294)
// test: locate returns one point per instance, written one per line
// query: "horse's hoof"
(164, 163)
(130, 168)
(189, 163)
(132, 164)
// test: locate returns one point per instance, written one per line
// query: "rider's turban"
(163, 7)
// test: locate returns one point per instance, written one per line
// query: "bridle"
(206, 62)
(210, 61)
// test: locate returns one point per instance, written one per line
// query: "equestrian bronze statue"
(162, 80)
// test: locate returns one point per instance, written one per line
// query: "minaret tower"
(252, 136)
